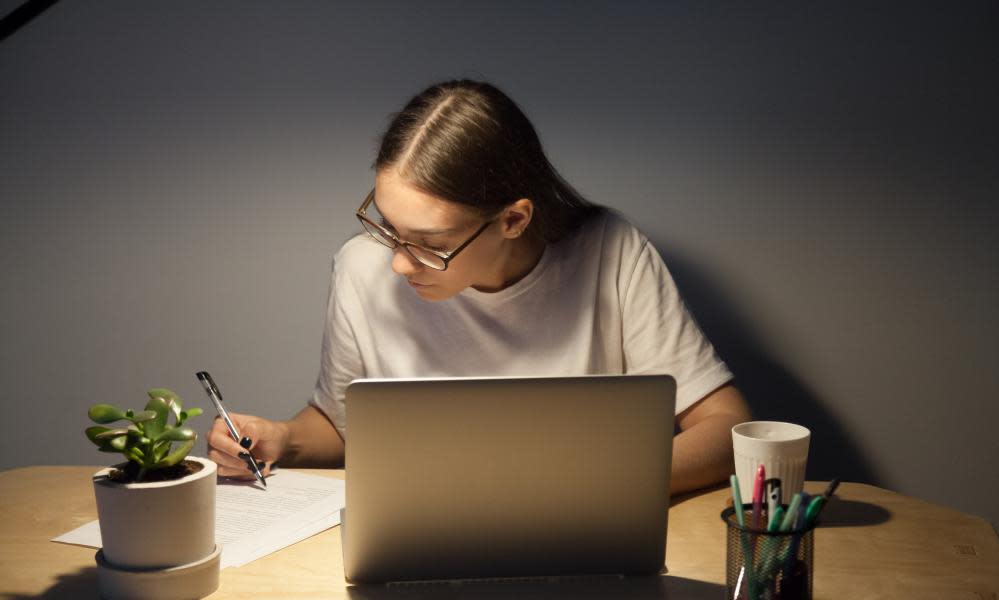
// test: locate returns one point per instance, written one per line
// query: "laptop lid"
(507, 477)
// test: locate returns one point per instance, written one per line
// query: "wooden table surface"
(872, 543)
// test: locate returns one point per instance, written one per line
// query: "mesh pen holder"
(767, 566)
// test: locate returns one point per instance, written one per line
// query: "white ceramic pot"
(193, 580)
(160, 524)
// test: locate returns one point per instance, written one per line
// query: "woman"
(497, 267)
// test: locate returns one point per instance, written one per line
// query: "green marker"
(775, 519)
(747, 553)
(813, 510)
(737, 497)
(792, 511)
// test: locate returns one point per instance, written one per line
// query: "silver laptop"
(507, 477)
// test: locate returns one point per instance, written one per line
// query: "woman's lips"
(417, 285)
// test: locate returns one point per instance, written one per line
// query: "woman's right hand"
(268, 440)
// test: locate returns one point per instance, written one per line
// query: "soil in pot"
(130, 471)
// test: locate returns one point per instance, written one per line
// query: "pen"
(216, 396)
(773, 495)
(831, 489)
(758, 485)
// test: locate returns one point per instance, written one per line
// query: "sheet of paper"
(251, 522)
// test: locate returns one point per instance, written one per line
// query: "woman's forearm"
(702, 452)
(312, 441)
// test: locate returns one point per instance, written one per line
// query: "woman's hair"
(468, 142)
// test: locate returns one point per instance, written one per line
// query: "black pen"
(831, 489)
(213, 392)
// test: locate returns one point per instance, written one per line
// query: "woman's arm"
(312, 441)
(307, 440)
(702, 451)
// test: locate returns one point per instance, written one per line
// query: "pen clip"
(209, 384)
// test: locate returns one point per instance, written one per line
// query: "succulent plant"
(148, 438)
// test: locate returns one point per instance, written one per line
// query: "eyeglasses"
(435, 259)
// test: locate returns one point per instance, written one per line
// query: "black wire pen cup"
(767, 566)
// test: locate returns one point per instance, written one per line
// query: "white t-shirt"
(598, 302)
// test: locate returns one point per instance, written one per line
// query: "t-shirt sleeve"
(340, 359)
(661, 336)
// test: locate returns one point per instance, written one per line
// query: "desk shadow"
(850, 513)
(664, 587)
(82, 584)
(772, 391)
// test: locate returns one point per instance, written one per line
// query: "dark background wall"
(821, 179)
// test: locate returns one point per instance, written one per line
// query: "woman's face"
(417, 217)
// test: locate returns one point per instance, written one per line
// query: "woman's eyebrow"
(427, 231)
(434, 231)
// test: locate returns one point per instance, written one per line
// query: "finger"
(229, 466)
(219, 438)
(251, 431)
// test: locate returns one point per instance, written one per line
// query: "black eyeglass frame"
(446, 257)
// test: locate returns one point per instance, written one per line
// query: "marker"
(775, 519)
(791, 514)
(216, 396)
(737, 498)
(813, 510)
(791, 552)
(747, 553)
(799, 519)
(758, 485)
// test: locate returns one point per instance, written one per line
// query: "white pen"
(213, 392)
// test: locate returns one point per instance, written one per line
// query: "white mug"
(782, 449)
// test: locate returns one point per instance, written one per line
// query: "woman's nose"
(403, 262)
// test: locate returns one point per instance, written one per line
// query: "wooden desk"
(873, 544)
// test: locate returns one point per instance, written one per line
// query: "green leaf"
(176, 456)
(172, 400)
(176, 408)
(105, 413)
(119, 443)
(164, 393)
(103, 445)
(177, 434)
(155, 426)
(93, 431)
(134, 455)
(111, 434)
(160, 450)
(189, 413)
(146, 415)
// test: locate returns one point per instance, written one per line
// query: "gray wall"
(821, 180)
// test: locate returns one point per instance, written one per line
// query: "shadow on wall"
(773, 393)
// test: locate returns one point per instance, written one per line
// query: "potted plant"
(156, 510)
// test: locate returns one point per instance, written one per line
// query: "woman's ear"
(516, 217)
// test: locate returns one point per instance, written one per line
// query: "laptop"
(507, 477)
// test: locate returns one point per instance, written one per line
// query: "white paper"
(251, 522)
